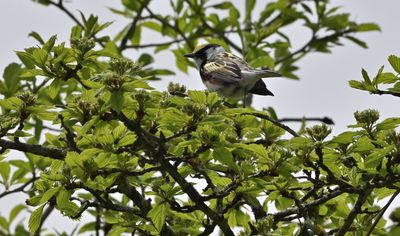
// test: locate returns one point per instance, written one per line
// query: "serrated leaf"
(345, 137)
(224, 156)
(263, 61)
(394, 62)
(5, 171)
(389, 123)
(198, 96)
(35, 218)
(127, 140)
(40, 57)
(157, 215)
(49, 194)
(357, 84)
(12, 103)
(386, 78)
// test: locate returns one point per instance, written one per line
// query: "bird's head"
(204, 52)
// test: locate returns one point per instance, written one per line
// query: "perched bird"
(227, 74)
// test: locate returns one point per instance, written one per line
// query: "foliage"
(98, 139)
(389, 80)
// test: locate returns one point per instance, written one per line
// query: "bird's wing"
(223, 70)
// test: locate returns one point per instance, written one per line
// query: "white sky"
(322, 91)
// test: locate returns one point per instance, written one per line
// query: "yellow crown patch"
(199, 47)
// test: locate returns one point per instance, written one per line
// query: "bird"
(227, 74)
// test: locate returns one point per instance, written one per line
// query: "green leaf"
(49, 194)
(127, 140)
(388, 124)
(223, 5)
(345, 137)
(35, 218)
(386, 78)
(4, 224)
(40, 57)
(48, 46)
(357, 41)
(11, 78)
(15, 211)
(367, 27)
(394, 62)
(27, 59)
(198, 96)
(157, 215)
(12, 103)
(152, 25)
(180, 61)
(366, 76)
(263, 61)
(224, 156)
(5, 171)
(357, 84)
(363, 145)
(21, 134)
(117, 100)
(250, 4)
(36, 36)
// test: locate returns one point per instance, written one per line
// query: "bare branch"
(265, 117)
(55, 153)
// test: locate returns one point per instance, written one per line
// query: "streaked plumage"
(228, 74)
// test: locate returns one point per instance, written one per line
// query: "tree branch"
(362, 197)
(19, 189)
(383, 212)
(132, 28)
(382, 92)
(325, 120)
(60, 6)
(291, 211)
(55, 153)
(265, 117)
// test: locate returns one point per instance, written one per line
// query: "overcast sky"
(322, 91)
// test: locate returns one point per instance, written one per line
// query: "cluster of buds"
(82, 44)
(318, 132)
(123, 66)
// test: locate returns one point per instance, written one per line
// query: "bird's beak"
(190, 55)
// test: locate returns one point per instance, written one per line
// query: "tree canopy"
(98, 139)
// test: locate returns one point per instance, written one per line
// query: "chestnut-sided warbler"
(227, 74)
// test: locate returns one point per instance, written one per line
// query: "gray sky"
(322, 91)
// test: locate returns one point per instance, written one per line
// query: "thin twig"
(383, 212)
(132, 28)
(19, 189)
(60, 6)
(275, 122)
(325, 120)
